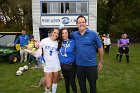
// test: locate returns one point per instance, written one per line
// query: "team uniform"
(50, 54)
(124, 48)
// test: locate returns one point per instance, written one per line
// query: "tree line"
(119, 16)
(114, 17)
(16, 15)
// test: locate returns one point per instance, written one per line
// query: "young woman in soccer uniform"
(124, 47)
(52, 66)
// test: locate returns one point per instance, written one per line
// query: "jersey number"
(51, 53)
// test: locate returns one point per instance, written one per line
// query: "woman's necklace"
(65, 49)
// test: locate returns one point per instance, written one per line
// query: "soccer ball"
(25, 67)
(21, 69)
(19, 72)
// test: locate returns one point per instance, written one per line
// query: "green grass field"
(115, 77)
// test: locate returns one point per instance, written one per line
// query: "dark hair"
(31, 36)
(53, 29)
(60, 40)
(81, 16)
(62, 31)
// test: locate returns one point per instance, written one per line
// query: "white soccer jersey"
(50, 54)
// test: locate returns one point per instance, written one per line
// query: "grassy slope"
(115, 77)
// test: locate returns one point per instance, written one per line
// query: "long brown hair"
(60, 39)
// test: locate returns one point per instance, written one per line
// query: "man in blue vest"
(23, 39)
(87, 41)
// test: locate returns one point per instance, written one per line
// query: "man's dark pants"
(91, 74)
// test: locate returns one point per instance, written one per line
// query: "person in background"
(107, 43)
(52, 63)
(86, 42)
(102, 39)
(119, 47)
(23, 39)
(67, 60)
(124, 47)
(31, 49)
